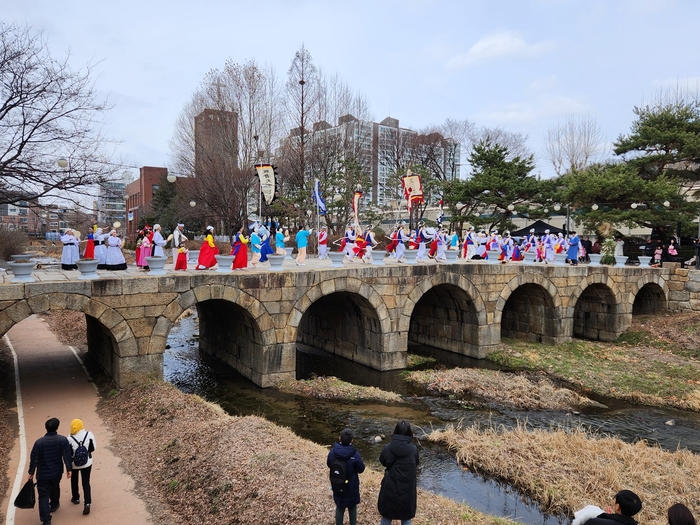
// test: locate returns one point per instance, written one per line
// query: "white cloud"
(499, 45)
(530, 112)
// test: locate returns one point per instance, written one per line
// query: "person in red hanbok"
(137, 250)
(181, 261)
(89, 252)
(207, 251)
(360, 247)
(239, 250)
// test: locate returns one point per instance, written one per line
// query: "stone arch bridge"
(368, 314)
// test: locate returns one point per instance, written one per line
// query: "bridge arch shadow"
(347, 318)
(597, 309)
(530, 309)
(234, 328)
(445, 312)
(650, 295)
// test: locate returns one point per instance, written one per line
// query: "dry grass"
(195, 464)
(334, 388)
(566, 470)
(492, 387)
(68, 326)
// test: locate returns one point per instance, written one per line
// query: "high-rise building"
(215, 141)
(381, 148)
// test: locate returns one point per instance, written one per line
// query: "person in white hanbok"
(100, 248)
(158, 241)
(115, 258)
(70, 253)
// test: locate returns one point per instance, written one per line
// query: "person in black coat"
(397, 497)
(626, 504)
(48, 457)
(350, 496)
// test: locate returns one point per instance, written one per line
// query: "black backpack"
(81, 455)
(338, 475)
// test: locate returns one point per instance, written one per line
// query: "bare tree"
(574, 144)
(47, 112)
(235, 112)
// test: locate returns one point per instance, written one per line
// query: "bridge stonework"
(369, 314)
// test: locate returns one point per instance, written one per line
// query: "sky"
(522, 65)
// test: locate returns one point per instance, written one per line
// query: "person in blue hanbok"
(572, 252)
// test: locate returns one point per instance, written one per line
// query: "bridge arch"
(446, 311)
(649, 295)
(347, 317)
(529, 307)
(234, 328)
(110, 339)
(597, 309)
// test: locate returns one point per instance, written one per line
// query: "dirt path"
(54, 384)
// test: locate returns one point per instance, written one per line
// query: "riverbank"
(564, 470)
(9, 428)
(209, 467)
(491, 389)
(656, 362)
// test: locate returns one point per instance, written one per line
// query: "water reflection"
(320, 421)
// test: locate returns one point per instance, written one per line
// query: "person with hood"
(625, 505)
(349, 497)
(80, 436)
(397, 496)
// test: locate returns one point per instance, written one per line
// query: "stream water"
(321, 420)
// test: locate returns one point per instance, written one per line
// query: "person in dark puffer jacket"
(397, 497)
(49, 455)
(625, 505)
(348, 499)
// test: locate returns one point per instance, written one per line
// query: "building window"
(53, 224)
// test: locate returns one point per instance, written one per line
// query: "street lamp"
(193, 204)
(511, 207)
(594, 207)
(171, 178)
(557, 207)
(62, 163)
(667, 204)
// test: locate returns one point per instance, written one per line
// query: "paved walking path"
(54, 384)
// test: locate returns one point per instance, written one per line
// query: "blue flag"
(320, 203)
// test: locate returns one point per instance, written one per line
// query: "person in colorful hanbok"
(207, 251)
(549, 241)
(145, 251)
(401, 241)
(441, 241)
(255, 246)
(393, 241)
(70, 252)
(89, 252)
(302, 240)
(265, 248)
(239, 250)
(181, 259)
(348, 244)
(572, 252)
(323, 243)
(115, 258)
(421, 239)
(370, 243)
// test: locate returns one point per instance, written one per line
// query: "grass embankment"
(566, 470)
(203, 466)
(654, 363)
(333, 388)
(490, 388)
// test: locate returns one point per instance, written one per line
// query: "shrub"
(607, 259)
(12, 242)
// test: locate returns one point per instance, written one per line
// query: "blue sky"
(523, 65)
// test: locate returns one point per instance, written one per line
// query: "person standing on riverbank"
(79, 436)
(398, 495)
(49, 454)
(349, 496)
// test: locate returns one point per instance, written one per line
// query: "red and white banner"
(412, 189)
(356, 204)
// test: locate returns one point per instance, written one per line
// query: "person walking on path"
(49, 454)
(398, 494)
(349, 496)
(81, 437)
